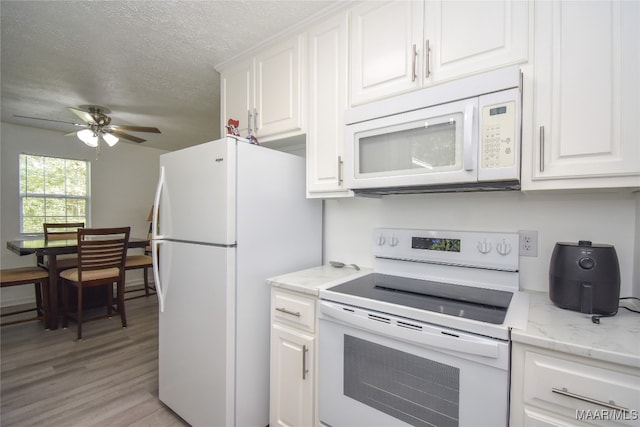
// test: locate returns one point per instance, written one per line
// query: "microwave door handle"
(468, 137)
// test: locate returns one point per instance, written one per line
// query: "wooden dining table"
(52, 249)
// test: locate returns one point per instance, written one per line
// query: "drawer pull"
(611, 404)
(285, 311)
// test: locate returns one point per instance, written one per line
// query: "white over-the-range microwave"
(462, 135)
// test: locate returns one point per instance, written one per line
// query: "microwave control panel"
(498, 135)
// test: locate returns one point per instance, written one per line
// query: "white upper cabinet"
(327, 102)
(385, 40)
(466, 37)
(586, 117)
(265, 92)
(279, 95)
(236, 93)
(399, 46)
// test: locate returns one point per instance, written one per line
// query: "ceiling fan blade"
(50, 120)
(125, 136)
(84, 116)
(135, 128)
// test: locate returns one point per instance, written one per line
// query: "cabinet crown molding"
(299, 27)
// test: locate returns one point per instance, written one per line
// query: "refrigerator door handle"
(155, 243)
(156, 205)
(156, 273)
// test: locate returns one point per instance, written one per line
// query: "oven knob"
(484, 247)
(380, 240)
(503, 248)
(393, 241)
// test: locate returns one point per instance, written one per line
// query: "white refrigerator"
(227, 215)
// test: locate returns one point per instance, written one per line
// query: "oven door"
(378, 370)
(430, 146)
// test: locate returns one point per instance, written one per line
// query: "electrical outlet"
(528, 243)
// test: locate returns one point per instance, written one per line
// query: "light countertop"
(616, 339)
(311, 280)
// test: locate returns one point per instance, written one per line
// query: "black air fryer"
(585, 277)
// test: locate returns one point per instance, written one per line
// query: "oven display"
(435, 244)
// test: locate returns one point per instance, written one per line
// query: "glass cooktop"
(484, 305)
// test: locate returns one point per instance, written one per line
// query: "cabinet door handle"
(340, 165)
(285, 311)
(249, 120)
(414, 72)
(255, 120)
(427, 62)
(521, 84)
(305, 371)
(541, 148)
(611, 404)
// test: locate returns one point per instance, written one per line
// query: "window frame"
(26, 194)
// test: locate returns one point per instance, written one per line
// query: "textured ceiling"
(150, 62)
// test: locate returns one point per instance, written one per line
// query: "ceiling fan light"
(88, 137)
(110, 139)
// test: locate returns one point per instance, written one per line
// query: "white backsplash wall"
(602, 217)
(636, 270)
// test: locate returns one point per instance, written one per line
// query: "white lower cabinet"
(293, 360)
(549, 388)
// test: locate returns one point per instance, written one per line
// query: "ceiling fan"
(97, 125)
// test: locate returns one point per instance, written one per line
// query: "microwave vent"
(445, 188)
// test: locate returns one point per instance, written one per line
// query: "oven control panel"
(491, 250)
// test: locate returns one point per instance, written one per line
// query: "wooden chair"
(144, 262)
(27, 276)
(61, 231)
(101, 255)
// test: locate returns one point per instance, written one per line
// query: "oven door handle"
(439, 338)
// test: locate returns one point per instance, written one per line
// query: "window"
(52, 190)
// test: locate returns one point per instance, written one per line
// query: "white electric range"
(424, 339)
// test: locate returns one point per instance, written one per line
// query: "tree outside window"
(52, 190)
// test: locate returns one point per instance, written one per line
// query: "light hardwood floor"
(110, 378)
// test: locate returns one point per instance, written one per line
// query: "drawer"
(581, 392)
(292, 309)
(534, 418)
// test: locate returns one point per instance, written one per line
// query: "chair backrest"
(61, 231)
(102, 248)
(147, 249)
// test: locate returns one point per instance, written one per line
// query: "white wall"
(636, 277)
(123, 180)
(602, 217)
